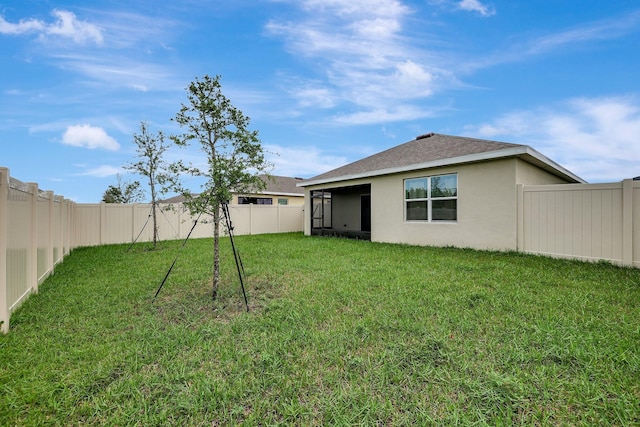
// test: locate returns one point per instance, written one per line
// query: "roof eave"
(546, 163)
(281, 193)
(522, 151)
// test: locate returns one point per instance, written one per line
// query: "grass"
(339, 332)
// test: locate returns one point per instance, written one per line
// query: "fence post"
(4, 303)
(103, 223)
(134, 229)
(279, 219)
(33, 249)
(250, 219)
(50, 239)
(67, 219)
(73, 231)
(627, 222)
(520, 219)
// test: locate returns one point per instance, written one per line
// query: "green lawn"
(339, 332)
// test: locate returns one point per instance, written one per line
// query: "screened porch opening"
(344, 211)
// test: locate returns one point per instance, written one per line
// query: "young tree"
(151, 164)
(233, 153)
(123, 192)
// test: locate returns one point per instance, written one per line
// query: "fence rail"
(38, 229)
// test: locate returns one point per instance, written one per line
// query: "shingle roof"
(282, 185)
(425, 148)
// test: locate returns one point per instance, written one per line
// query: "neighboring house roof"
(175, 199)
(434, 150)
(282, 185)
(275, 185)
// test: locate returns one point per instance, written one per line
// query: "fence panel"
(34, 235)
(584, 221)
(117, 223)
(291, 219)
(18, 241)
(44, 237)
(38, 229)
(87, 224)
(58, 252)
(264, 219)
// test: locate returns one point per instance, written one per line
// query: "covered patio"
(342, 211)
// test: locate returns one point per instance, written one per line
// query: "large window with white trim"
(431, 198)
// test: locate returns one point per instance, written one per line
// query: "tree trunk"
(153, 210)
(216, 251)
(155, 224)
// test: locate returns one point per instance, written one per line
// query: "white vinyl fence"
(38, 229)
(583, 221)
(35, 234)
(107, 223)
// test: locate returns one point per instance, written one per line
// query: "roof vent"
(426, 135)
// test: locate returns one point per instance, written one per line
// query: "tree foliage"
(123, 192)
(151, 164)
(234, 154)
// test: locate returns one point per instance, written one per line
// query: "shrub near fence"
(38, 229)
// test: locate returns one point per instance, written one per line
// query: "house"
(437, 190)
(281, 190)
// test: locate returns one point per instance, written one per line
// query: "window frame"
(255, 200)
(429, 199)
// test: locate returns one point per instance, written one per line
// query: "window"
(255, 200)
(283, 202)
(431, 198)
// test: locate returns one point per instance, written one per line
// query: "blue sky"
(325, 82)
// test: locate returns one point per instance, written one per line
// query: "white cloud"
(66, 25)
(596, 138)
(117, 71)
(383, 115)
(24, 26)
(89, 137)
(301, 161)
(365, 59)
(476, 6)
(103, 171)
(605, 29)
(309, 96)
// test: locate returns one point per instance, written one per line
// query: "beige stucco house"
(435, 190)
(279, 190)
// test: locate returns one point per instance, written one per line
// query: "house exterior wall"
(486, 209)
(292, 200)
(487, 206)
(346, 210)
(528, 174)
